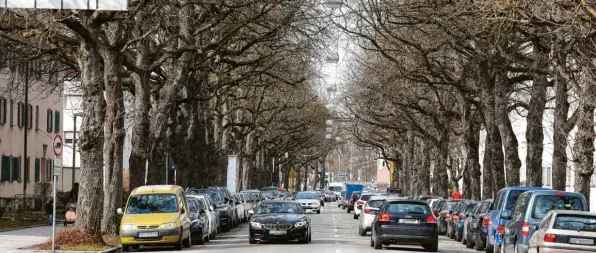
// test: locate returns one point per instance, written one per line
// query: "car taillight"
(360, 203)
(501, 229)
(384, 217)
(436, 212)
(463, 217)
(525, 230)
(431, 219)
(550, 238)
(446, 216)
(485, 221)
(367, 210)
(454, 217)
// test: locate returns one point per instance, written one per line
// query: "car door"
(513, 227)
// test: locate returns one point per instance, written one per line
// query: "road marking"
(336, 236)
(335, 230)
(337, 250)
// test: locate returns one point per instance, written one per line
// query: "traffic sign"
(326, 176)
(57, 145)
(57, 166)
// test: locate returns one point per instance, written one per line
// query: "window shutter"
(49, 121)
(36, 117)
(4, 110)
(57, 122)
(5, 168)
(19, 115)
(11, 112)
(16, 168)
(1, 110)
(30, 116)
(37, 170)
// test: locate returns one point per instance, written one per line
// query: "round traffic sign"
(57, 145)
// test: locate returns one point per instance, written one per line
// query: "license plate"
(409, 221)
(148, 234)
(277, 232)
(581, 241)
(308, 210)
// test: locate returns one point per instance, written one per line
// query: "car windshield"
(306, 195)
(152, 203)
(376, 203)
(365, 197)
(279, 208)
(215, 196)
(335, 188)
(410, 208)
(512, 198)
(545, 203)
(575, 223)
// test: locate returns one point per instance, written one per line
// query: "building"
(44, 121)
(72, 98)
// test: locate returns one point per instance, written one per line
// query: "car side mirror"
(251, 212)
(533, 227)
(119, 211)
(506, 215)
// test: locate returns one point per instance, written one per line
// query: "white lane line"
(337, 250)
(336, 236)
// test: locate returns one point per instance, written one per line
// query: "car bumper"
(166, 236)
(407, 239)
(358, 210)
(559, 250)
(314, 208)
(264, 234)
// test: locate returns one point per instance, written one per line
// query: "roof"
(573, 212)
(406, 200)
(552, 192)
(149, 189)
(524, 188)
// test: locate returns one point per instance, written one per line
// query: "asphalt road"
(334, 231)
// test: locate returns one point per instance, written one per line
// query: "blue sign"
(326, 176)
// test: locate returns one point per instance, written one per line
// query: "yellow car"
(155, 215)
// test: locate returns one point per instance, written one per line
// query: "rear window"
(545, 203)
(365, 197)
(411, 208)
(512, 198)
(470, 208)
(376, 203)
(575, 223)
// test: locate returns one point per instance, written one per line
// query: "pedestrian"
(456, 194)
(74, 192)
(50, 209)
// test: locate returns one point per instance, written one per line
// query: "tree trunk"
(113, 142)
(472, 142)
(583, 149)
(440, 175)
(534, 129)
(90, 202)
(562, 127)
(424, 170)
(512, 161)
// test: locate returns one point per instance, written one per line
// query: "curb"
(111, 250)
(13, 229)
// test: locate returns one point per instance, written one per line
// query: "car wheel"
(318, 211)
(309, 236)
(355, 216)
(469, 242)
(361, 231)
(178, 245)
(349, 210)
(432, 247)
(497, 248)
(198, 240)
(207, 238)
(489, 247)
(458, 236)
(252, 241)
(378, 244)
(125, 248)
(372, 243)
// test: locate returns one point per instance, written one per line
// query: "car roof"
(149, 189)
(574, 212)
(529, 188)
(406, 201)
(553, 192)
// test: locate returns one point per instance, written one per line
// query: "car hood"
(281, 218)
(150, 218)
(312, 201)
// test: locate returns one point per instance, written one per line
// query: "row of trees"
(430, 76)
(207, 79)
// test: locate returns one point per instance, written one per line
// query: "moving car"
(309, 201)
(199, 225)
(369, 212)
(405, 222)
(360, 203)
(529, 210)
(477, 227)
(279, 220)
(504, 201)
(351, 202)
(563, 231)
(155, 215)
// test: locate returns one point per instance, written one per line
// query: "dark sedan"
(477, 229)
(405, 222)
(279, 220)
(445, 215)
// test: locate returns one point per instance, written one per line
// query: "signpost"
(57, 164)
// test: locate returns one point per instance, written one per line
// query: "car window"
(470, 207)
(152, 203)
(376, 203)
(575, 222)
(411, 208)
(512, 198)
(365, 197)
(192, 205)
(499, 200)
(544, 203)
(518, 209)
(280, 207)
(545, 222)
(306, 195)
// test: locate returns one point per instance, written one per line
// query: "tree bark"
(440, 175)
(424, 170)
(472, 142)
(90, 202)
(512, 161)
(583, 149)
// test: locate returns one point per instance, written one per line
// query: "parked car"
(405, 222)
(445, 215)
(351, 202)
(477, 227)
(370, 209)
(223, 204)
(199, 223)
(468, 206)
(321, 197)
(452, 222)
(341, 199)
(211, 213)
(437, 206)
(432, 202)
(565, 231)
(360, 203)
(240, 206)
(166, 207)
(529, 210)
(504, 201)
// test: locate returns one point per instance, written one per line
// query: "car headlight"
(300, 224)
(168, 225)
(128, 227)
(255, 224)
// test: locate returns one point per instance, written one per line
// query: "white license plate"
(581, 241)
(409, 221)
(308, 210)
(277, 232)
(148, 234)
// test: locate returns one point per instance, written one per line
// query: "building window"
(68, 137)
(16, 168)
(36, 117)
(5, 176)
(48, 169)
(547, 179)
(37, 169)
(11, 112)
(29, 116)
(57, 122)
(27, 170)
(49, 120)
(4, 110)
(20, 114)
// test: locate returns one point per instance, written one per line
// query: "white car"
(213, 223)
(309, 201)
(360, 204)
(369, 211)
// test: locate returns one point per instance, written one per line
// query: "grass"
(46, 246)
(6, 224)
(16, 220)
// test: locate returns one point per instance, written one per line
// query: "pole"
(74, 147)
(273, 172)
(26, 125)
(146, 170)
(54, 214)
(167, 160)
(175, 176)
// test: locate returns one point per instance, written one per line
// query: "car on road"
(199, 223)
(565, 231)
(477, 226)
(241, 206)
(309, 201)
(504, 201)
(405, 222)
(444, 216)
(224, 205)
(211, 213)
(468, 206)
(370, 209)
(454, 218)
(155, 215)
(351, 202)
(360, 203)
(279, 220)
(530, 208)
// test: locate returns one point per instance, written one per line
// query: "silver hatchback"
(564, 231)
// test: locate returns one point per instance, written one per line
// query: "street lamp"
(74, 145)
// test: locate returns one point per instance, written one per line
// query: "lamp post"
(74, 145)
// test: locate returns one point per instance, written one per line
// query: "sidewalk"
(12, 240)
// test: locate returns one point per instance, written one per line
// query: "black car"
(478, 226)
(225, 206)
(454, 218)
(445, 215)
(460, 221)
(279, 220)
(198, 222)
(405, 222)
